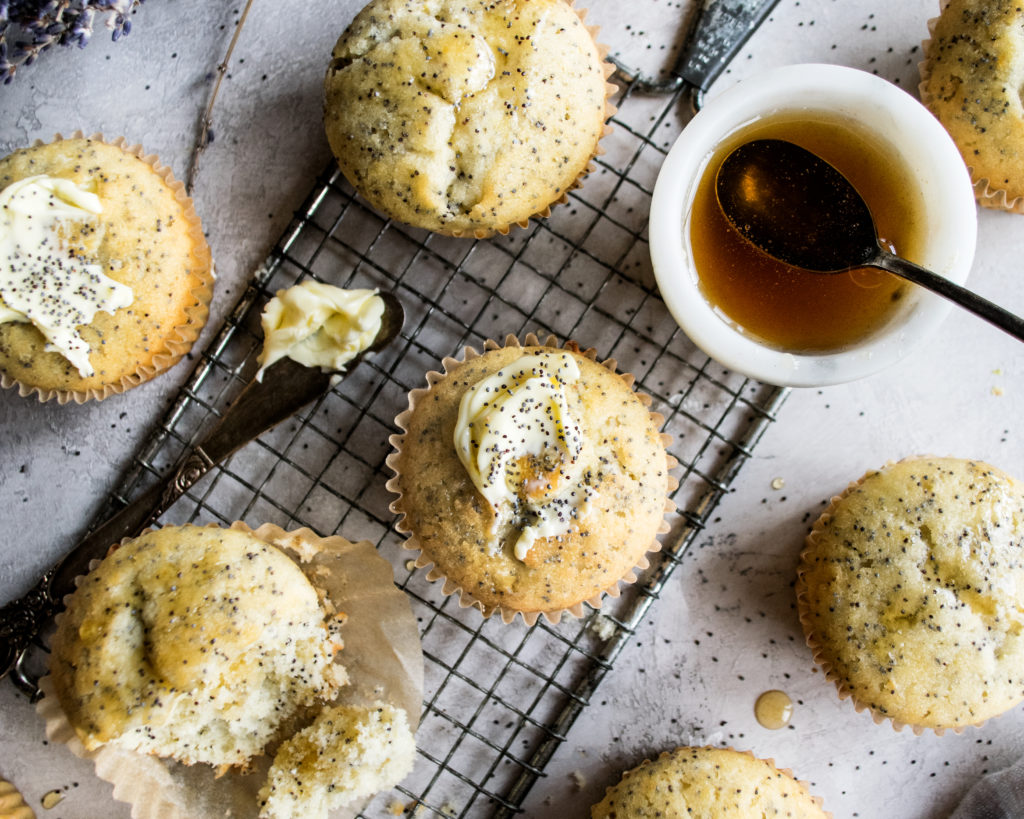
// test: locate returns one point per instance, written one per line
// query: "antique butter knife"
(286, 387)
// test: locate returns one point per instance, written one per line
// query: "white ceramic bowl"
(876, 105)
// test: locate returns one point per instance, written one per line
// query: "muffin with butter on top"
(465, 117)
(911, 593)
(105, 276)
(532, 478)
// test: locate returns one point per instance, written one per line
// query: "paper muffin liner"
(806, 786)
(180, 341)
(985, 193)
(609, 111)
(449, 587)
(812, 637)
(382, 655)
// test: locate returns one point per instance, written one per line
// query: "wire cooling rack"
(498, 698)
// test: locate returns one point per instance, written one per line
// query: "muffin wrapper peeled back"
(382, 655)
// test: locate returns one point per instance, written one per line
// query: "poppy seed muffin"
(193, 643)
(911, 592)
(105, 276)
(376, 709)
(348, 753)
(465, 116)
(532, 477)
(708, 783)
(971, 80)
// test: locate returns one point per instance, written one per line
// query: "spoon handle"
(969, 300)
(261, 405)
(286, 387)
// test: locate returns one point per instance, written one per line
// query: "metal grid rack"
(498, 698)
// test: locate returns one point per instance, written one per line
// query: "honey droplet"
(773, 709)
(51, 799)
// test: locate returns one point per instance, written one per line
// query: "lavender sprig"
(30, 27)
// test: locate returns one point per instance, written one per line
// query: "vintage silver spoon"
(285, 388)
(799, 209)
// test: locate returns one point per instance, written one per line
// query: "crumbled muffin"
(971, 80)
(145, 241)
(349, 753)
(193, 643)
(709, 783)
(465, 117)
(911, 592)
(554, 513)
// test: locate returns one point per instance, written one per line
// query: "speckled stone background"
(726, 628)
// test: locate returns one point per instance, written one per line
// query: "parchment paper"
(382, 655)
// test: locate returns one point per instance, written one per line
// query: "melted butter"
(319, 325)
(773, 709)
(43, 277)
(523, 450)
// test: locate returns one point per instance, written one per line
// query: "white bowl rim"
(915, 132)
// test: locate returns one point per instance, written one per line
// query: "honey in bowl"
(790, 308)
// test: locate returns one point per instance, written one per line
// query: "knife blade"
(285, 388)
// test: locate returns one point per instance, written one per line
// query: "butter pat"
(523, 450)
(43, 276)
(319, 325)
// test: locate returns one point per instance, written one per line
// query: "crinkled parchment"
(382, 655)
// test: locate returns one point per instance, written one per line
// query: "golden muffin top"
(194, 643)
(707, 783)
(974, 72)
(911, 591)
(137, 234)
(465, 117)
(532, 477)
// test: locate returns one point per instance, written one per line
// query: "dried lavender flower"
(30, 27)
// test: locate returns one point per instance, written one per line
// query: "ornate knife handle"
(190, 470)
(286, 387)
(20, 621)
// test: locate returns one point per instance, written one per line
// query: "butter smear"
(43, 278)
(319, 325)
(523, 450)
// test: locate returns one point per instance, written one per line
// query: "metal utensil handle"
(22, 619)
(287, 387)
(968, 299)
(722, 29)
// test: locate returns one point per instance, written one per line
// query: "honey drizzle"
(773, 709)
(787, 307)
